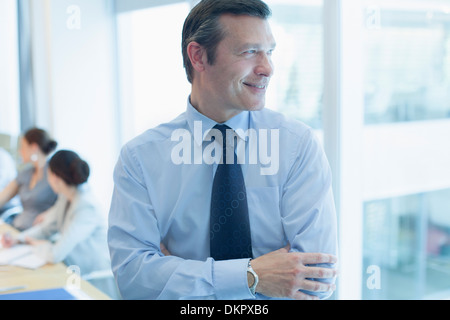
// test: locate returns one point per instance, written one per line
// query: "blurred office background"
(372, 77)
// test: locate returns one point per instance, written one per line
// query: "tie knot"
(227, 134)
(222, 128)
(228, 143)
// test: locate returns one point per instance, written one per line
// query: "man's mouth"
(257, 86)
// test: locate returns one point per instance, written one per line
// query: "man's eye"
(250, 52)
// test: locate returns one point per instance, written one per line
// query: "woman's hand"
(8, 241)
(39, 218)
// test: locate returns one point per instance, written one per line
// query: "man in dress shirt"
(159, 233)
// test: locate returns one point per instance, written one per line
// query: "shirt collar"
(194, 118)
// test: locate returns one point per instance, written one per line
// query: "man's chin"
(255, 106)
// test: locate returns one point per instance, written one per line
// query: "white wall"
(9, 64)
(79, 42)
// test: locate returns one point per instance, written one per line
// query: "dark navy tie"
(229, 223)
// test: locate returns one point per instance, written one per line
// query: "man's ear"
(197, 55)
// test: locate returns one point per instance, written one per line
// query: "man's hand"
(282, 273)
(164, 250)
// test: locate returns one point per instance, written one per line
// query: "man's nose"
(265, 66)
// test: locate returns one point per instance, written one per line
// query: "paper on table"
(9, 255)
(21, 256)
(30, 261)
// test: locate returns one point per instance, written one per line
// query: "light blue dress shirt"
(162, 194)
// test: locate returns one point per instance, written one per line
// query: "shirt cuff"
(230, 280)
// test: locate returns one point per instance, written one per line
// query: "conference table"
(15, 279)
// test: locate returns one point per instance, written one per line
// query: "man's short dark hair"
(202, 25)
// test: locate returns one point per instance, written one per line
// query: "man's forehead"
(248, 29)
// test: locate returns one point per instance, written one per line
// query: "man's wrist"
(230, 279)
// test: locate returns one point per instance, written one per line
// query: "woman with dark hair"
(75, 220)
(31, 183)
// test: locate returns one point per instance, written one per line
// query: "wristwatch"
(253, 274)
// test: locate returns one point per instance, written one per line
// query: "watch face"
(252, 276)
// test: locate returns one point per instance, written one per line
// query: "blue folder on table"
(47, 294)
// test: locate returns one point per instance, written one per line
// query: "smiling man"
(238, 79)
(223, 230)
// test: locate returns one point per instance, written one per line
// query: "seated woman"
(73, 231)
(31, 184)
